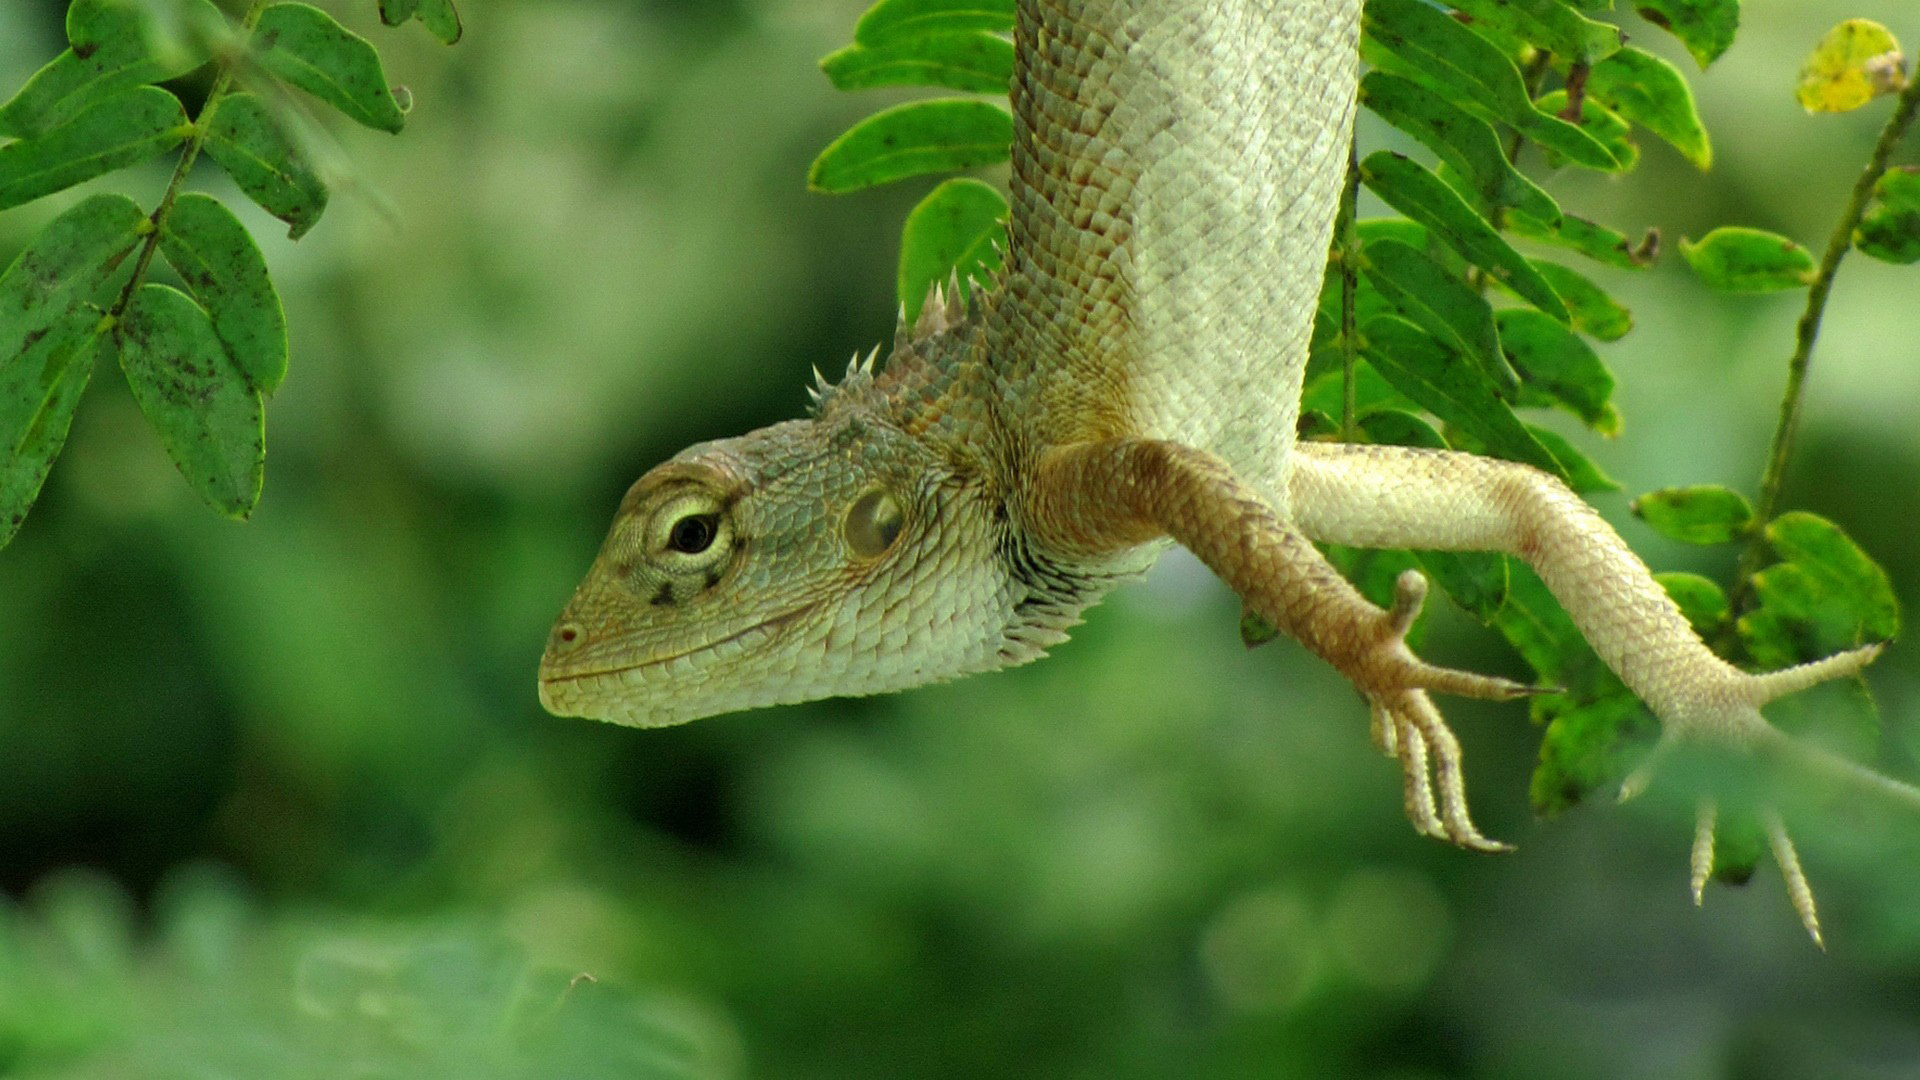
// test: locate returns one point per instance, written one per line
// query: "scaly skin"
(1133, 378)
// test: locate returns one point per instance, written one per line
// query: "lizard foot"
(1407, 725)
(1733, 720)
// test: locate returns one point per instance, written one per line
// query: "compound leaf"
(250, 145)
(306, 47)
(121, 130)
(212, 252)
(976, 62)
(911, 139)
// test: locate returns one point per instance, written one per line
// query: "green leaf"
(1854, 63)
(1838, 595)
(976, 62)
(1890, 229)
(47, 335)
(894, 20)
(109, 54)
(954, 229)
(1584, 749)
(212, 252)
(1595, 241)
(306, 47)
(918, 137)
(248, 143)
(206, 415)
(1705, 27)
(1461, 139)
(1550, 24)
(1371, 392)
(1409, 188)
(122, 130)
(1738, 259)
(1701, 600)
(395, 12)
(1700, 514)
(1426, 40)
(1439, 302)
(1424, 369)
(441, 19)
(1738, 843)
(1583, 476)
(1653, 94)
(1602, 124)
(1595, 314)
(1557, 368)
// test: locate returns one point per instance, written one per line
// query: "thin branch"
(1809, 330)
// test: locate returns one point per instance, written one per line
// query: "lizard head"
(830, 556)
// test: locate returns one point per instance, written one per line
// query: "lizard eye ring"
(873, 523)
(689, 532)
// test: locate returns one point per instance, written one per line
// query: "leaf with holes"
(1699, 514)
(47, 337)
(955, 228)
(1890, 229)
(976, 62)
(1705, 27)
(1737, 259)
(894, 20)
(246, 141)
(1653, 94)
(911, 139)
(122, 130)
(1461, 139)
(306, 47)
(1408, 187)
(206, 415)
(212, 252)
(1854, 63)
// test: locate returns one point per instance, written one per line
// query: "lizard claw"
(1799, 893)
(1408, 727)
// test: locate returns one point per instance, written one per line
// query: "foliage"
(1475, 86)
(201, 362)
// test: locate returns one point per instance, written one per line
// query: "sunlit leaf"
(305, 46)
(1705, 27)
(1854, 63)
(1584, 749)
(1835, 589)
(122, 130)
(1409, 188)
(1595, 314)
(1698, 514)
(1550, 24)
(1589, 238)
(1890, 229)
(248, 143)
(1424, 369)
(1426, 293)
(1738, 259)
(955, 228)
(109, 54)
(911, 139)
(206, 415)
(1558, 368)
(1462, 140)
(47, 338)
(977, 62)
(1651, 93)
(1701, 600)
(893, 20)
(212, 252)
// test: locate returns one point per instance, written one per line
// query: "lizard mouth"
(610, 692)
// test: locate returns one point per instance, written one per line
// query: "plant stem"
(201, 125)
(1808, 331)
(1348, 242)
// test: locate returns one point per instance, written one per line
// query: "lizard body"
(1133, 378)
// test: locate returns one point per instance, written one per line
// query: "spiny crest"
(859, 378)
(944, 309)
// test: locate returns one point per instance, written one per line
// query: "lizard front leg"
(1090, 499)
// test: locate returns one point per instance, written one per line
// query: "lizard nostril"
(566, 634)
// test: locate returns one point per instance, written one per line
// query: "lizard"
(1129, 381)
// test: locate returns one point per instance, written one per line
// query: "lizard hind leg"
(1091, 499)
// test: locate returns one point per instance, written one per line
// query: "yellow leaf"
(1856, 62)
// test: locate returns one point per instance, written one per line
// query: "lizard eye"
(873, 523)
(692, 534)
(689, 532)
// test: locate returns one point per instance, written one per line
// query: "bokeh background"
(277, 799)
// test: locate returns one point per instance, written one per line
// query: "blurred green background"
(278, 800)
